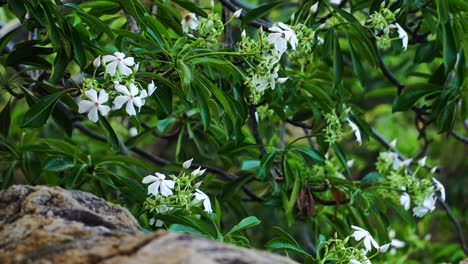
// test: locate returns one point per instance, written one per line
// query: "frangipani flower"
(427, 206)
(189, 21)
(159, 184)
(95, 105)
(369, 241)
(201, 196)
(403, 35)
(356, 131)
(129, 97)
(118, 62)
(280, 36)
(405, 200)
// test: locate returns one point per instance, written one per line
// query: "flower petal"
(84, 106)
(122, 89)
(129, 108)
(108, 58)
(103, 97)
(92, 94)
(149, 178)
(111, 67)
(119, 101)
(93, 114)
(153, 188)
(104, 110)
(124, 70)
(169, 183)
(133, 89)
(130, 61)
(165, 191)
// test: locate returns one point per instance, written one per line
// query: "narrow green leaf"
(111, 137)
(341, 157)
(60, 64)
(338, 65)
(5, 120)
(192, 7)
(443, 10)
(186, 229)
(278, 243)
(261, 11)
(17, 6)
(245, 223)
(185, 73)
(265, 165)
(449, 49)
(38, 114)
(412, 94)
(57, 164)
(357, 67)
(312, 154)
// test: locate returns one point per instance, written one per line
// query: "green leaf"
(17, 6)
(443, 10)
(411, 95)
(371, 177)
(5, 120)
(449, 48)
(185, 73)
(94, 22)
(186, 229)
(338, 65)
(265, 165)
(260, 11)
(191, 6)
(278, 243)
(357, 67)
(60, 64)
(341, 157)
(57, 164)
(111, 137)
(38, 114)
(8, 175)
(245, 223)
(249, 164)
(75, 174)
(312, 154)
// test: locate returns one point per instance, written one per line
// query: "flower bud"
(314, 8)
(136, 67)
(243, 34)
(238, 13)
(282, 80)
(97, 61)
(187, 163)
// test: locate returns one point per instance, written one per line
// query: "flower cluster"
(208, 28)
(338, 250)
(119, 84)
(418, 189)
(382, 22)
(178, 192)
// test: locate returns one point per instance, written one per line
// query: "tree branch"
(459, 137)
(456, 223)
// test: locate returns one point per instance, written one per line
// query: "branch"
(255, 130)
(386, 71)
(256, 23)
(456, 223)
(459, 137)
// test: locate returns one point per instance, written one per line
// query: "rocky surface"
(51, 225)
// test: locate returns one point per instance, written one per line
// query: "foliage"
(291, 120)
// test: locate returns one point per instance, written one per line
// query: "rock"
(41, 224)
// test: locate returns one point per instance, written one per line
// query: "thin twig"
(459, 137)
(255, 130)
(456, 223)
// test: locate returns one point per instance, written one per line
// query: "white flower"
(403, 35)
(157, 222)
(159, 184)
(95, 105)
(353, 261)
(129, 97)
(137, 66)
(118, 62)
(385, 247)
(427, 206)
(360, 234)
(282, 80)
(187, 163)
(357, 132)
(335, 2)
(97, 61)
(422, 162)
(198, 172)
(393, 143)
(148, 92)
(439, 187)
(238, 13)
(201, 196)
(405, 200)
(243, 34)
(280, 36)
(314, 7)
(189, 21)
(133, 131)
